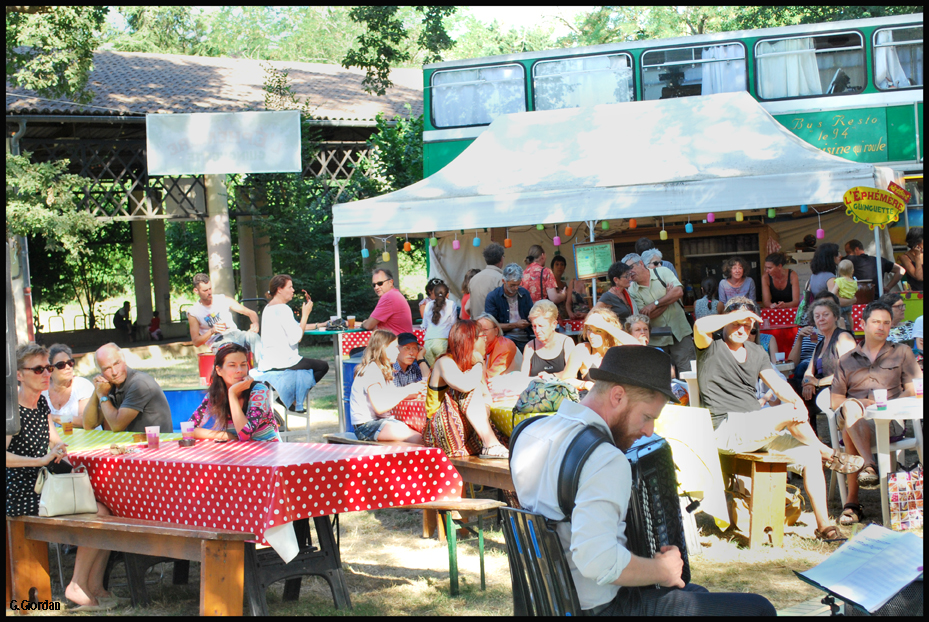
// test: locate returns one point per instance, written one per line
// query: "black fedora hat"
(640, 366)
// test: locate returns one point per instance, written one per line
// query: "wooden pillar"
(141, 272)
(160, 274)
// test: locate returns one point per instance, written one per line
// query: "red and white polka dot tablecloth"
(572, 324)
(351, 341)
(253, 486)
(412, 412)
(779, 317)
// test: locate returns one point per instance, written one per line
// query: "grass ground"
(391, 570)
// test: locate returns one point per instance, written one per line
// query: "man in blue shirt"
(510, 305)
(410, 366)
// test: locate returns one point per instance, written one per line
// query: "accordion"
(654, 516)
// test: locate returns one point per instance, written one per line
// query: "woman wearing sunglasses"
(38, 445)
(66, 394)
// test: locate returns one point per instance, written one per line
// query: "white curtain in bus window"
(788, 69)
(477, 96)
(727, 76)
(588, 81)
(898, 58)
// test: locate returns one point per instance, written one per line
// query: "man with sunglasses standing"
(130, 400)
(392, 311)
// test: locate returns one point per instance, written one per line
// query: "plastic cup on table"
(918, 384)
(67, 424)
(780, 357)
(351, 321)
(880, 399)
(151, 433)
(187, 429)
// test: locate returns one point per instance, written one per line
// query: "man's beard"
(621, 438)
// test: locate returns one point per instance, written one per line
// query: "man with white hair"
(130, 400)
(644, 244)
(657, 293)
(510, 304)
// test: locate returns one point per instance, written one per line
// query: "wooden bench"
(221, 552)
(768, 475)
(467, 509)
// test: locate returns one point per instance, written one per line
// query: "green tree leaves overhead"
(50, 49)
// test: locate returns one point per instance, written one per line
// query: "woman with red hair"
(455, 387)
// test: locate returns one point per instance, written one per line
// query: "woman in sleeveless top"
(549, 351)
(457, 418)
(602, 330)
(780, 288)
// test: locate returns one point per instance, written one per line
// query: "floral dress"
(31, 442)
(538, 280)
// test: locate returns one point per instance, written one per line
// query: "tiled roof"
(131, 83)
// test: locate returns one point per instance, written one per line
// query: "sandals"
(843, 463)
(829, 534)
(852, 513)
(868, 478)
(495, 451)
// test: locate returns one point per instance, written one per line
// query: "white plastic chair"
(824, 401)
(283, 414)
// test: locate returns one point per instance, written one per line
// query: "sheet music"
(872, 567)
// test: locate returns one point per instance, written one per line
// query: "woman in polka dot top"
(236, 407)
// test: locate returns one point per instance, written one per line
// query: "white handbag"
(68, 493)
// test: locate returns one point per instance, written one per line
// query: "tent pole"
(593, 281)
(877, 258)
(338, 279)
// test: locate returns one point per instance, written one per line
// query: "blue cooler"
(183, 403)
(348, 377)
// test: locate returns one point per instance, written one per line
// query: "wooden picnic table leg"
(769, 486)
(29, 568)
(222, 578)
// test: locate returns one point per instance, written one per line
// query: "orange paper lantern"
(507, 243)
(568, 231)
(407, 247)
(632, 223)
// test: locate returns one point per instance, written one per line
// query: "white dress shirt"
(594, 540)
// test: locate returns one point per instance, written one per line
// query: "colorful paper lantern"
(557, 241)
(632, 223)
(739, 217)
(540, 227)
(604, 225)
(477, 241)
(711, 217)
(365, 253)
(820, 234)
(407, 247)
(385, 257)
(456, 244)
(663, 234)
(568, 231)
(804, 209)
(433, 241)
(507, 243)
(689, 228)
(772, 213)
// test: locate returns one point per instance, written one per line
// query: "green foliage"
(770, 16)
(187, 256)
(396, 159)
(42, 200)
(50, 49)
(162, 30)
(385, 42)
(479, 39)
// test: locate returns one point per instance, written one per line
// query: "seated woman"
(601, 332)
(281, 334)
(374, 394)
(38, 445)
(501, 355)
(549, 351)
(830, 347)
(236, 407)
(67, 394)
(456, 388)
(637, 326)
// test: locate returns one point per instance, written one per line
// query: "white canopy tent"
(631, 160)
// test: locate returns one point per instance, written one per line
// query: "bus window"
(585, 81)
(830, 64)
(703, 70)
(477, 96)
(898, 57)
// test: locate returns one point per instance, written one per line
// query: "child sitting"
(154, 329)
(707, 305)
(845, 287)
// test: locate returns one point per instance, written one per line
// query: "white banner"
(223, 142)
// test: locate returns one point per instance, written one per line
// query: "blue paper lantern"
(365, 253)
(804, 209)
(477, 242)
(689, 228)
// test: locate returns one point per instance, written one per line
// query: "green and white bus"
(851, 88)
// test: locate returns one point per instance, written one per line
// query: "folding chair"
(542, 583)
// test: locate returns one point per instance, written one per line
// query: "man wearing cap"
(632, 385)
(728, 370)
(410, 366)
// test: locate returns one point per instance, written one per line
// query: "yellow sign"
(873, 206)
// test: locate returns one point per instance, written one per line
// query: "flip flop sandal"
(868, 478)
(103, 604)
(844, 463)
(852, 513)
(829, 534)
(495, 451)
